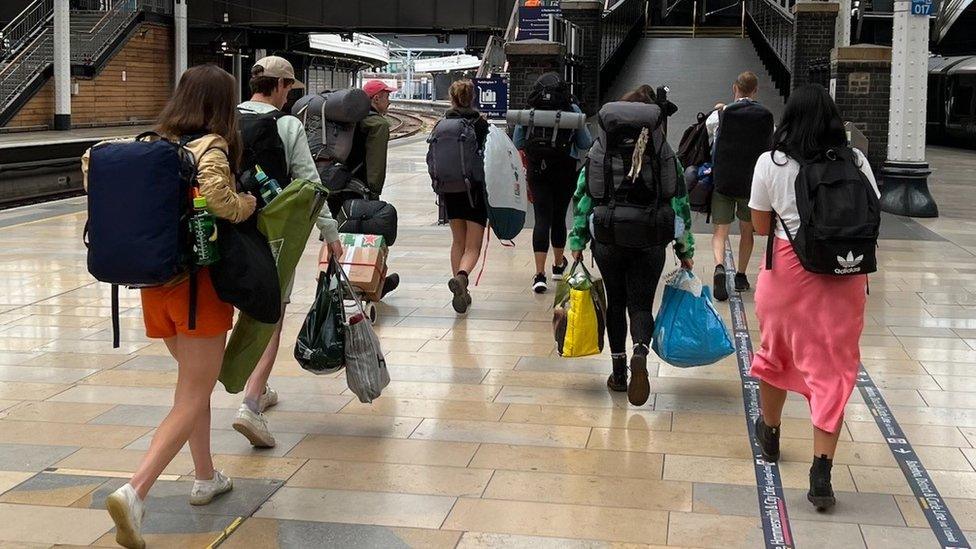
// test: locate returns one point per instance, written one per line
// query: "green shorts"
(725, 209)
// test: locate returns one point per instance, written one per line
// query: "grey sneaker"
(254, 427)
(462, 298)
(268, 398)
(128, 511)
(204, 491)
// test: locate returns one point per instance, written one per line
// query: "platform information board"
(924, 7)
(534, 21)
(491, 96)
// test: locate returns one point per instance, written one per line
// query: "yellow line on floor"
(222, 537)
(107, 474)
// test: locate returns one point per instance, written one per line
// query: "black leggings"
(630, 277)
(552, 182)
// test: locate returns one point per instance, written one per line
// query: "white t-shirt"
(773, 187)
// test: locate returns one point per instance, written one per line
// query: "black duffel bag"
(246, 275)
(359, 216)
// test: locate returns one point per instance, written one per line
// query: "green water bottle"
(269, 186)
(203, 228)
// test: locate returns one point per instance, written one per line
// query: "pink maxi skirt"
(811, 329)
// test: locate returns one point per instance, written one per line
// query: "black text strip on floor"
(769, 483)
(933, 506)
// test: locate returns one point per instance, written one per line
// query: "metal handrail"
(616, 23)
(23, 27)
(769, 16)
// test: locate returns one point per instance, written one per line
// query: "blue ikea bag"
(688, 330)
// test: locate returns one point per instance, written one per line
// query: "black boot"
(768, 438)
(617, 381)
(821, 494)
(639, 389)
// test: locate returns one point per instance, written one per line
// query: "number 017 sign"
(924, 7)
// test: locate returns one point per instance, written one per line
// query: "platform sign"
(491, 96)
(534, 21)
(924, 7)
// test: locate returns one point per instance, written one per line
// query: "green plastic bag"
(287, 223)
(320, 348)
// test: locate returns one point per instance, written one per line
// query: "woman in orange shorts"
(203, 104)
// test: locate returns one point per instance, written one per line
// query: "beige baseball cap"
(278, 67)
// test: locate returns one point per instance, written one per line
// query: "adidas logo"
(849, 264)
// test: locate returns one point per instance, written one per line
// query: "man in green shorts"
(741, 131)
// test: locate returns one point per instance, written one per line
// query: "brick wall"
(146, 62)
(587, 14)
(813, 37)
(527, 60)
(861, 83)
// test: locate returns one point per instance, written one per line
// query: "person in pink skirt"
(810, 323)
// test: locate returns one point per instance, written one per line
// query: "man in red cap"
(368, 156)
(369, 148)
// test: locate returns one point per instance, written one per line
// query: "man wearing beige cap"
(277, 142)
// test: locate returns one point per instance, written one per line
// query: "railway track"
(406, 124)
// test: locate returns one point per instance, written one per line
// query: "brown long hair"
(204, 102)
(462, 94)
(643, 94)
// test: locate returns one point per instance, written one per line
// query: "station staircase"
(99, 28)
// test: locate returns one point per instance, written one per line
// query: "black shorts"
(469, 208)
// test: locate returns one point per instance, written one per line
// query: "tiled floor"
(485, 437)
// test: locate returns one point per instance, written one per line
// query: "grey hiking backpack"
(454, 160)
(330, 120)
(631, 176)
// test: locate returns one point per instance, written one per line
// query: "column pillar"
(842, 30)
(587, 14)
(813, 37)
(860, 81)
(527, 61)
(906, 190)
(238, 74)
(179, 38)
(62, 65)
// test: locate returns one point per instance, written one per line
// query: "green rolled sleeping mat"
(287, 223)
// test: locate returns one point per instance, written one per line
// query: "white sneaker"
(204, 491)
(254, 427)
(128, 511)
(268, 398)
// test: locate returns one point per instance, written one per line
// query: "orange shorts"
(166, 310)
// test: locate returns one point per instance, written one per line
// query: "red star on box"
(370, 239)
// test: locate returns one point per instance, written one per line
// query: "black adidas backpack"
(550, 93)
(840, 217)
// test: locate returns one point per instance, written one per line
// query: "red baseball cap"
(374, 87)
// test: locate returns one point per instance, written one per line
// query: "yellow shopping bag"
(578, 319)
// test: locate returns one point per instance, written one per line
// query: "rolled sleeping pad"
(547, 119)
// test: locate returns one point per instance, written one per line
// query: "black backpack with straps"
(262, 146)
(840, 217)
(550, 93)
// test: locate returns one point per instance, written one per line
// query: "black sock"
(641, 350)
(462, 273)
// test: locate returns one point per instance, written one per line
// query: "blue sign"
(534, 22)
(924, 7)
(491, 96)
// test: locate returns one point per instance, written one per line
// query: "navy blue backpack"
(139, 197)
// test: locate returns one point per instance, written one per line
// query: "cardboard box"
(364, 262)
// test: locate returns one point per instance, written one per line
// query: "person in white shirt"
(271, 79)
(810, 323)
(740, 133)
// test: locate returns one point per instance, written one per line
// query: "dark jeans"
(552, 182)
(630, 277)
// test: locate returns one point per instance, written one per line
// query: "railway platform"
(485, 437)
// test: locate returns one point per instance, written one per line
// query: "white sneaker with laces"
(128, 511)
(254, 427)
(268, 398)
(204, 491)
